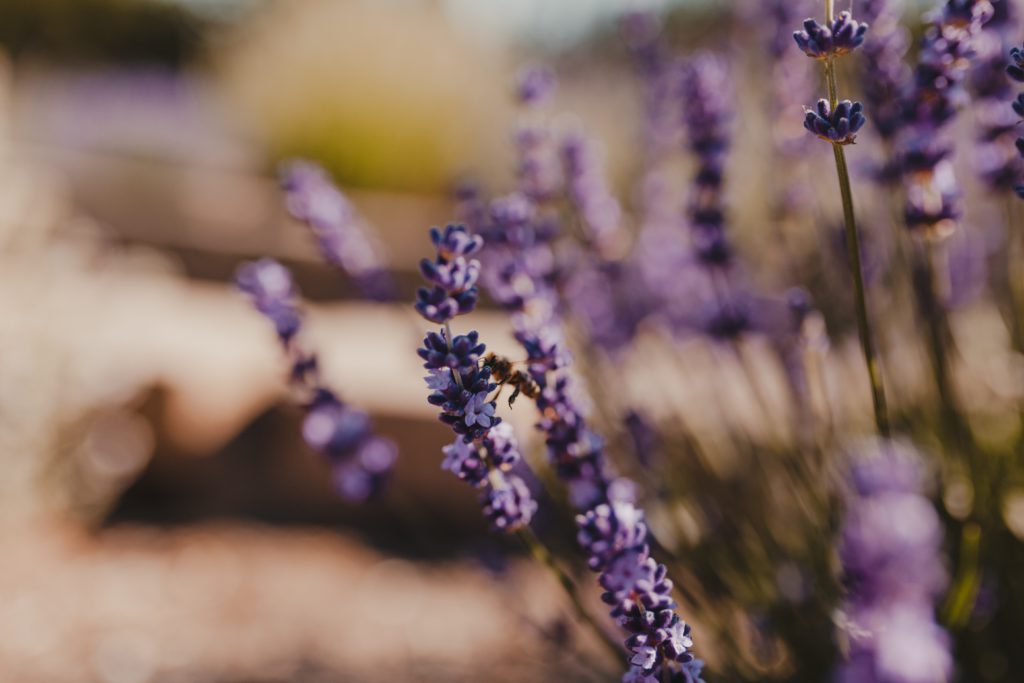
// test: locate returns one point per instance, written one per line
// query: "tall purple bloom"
(706, 115)
(996, 159)
(484, 450)
(889, 548)
(360, 460)
(933, 196)
(611, 528)
(341, 234)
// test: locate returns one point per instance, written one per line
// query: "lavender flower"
(598, 210)
(611, 528)
(948, 44)
(706, 114)
(539, 170)
(889, 549)
(822, 42)
(360, 461)
(536, 85)
(839, 126)
(508, 503)
(484, 449)
(1016, 71)
(269, 287)
(341, 234)
(453, 278)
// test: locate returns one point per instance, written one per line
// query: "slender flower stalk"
(360, 461)
(839, 122)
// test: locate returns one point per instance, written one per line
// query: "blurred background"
(161, 518)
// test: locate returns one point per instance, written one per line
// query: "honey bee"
(504, 372)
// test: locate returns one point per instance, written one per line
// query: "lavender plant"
(360, 461)
(750, 525)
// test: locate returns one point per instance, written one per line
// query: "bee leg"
(514, 396)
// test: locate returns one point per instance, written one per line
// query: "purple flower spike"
(464, 460)
(485, 449)
(360, 461)
(342, 235)
(838, 127)
(822, 42)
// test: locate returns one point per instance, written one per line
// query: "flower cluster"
(838, 126)
(452, 275)
(889, 549)
(823, 42)
(484, 450)
(1016, 71)
(341, 234)
(597, 208)
(614, 536)
(836, 122)
(706, 114)
(996, 160)
(360, 460)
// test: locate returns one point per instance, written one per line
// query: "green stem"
(543, 555)
(964, 593)
(853, 248)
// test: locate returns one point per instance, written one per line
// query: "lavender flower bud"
(535, 85)
(609, 529)
(1016, 67)
(838, 127)
(454, 278)
(269, 287)
(463, 459)
(821, 42)
(485, 447)
(508, 503)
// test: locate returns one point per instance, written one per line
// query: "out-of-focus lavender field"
(751, 406)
